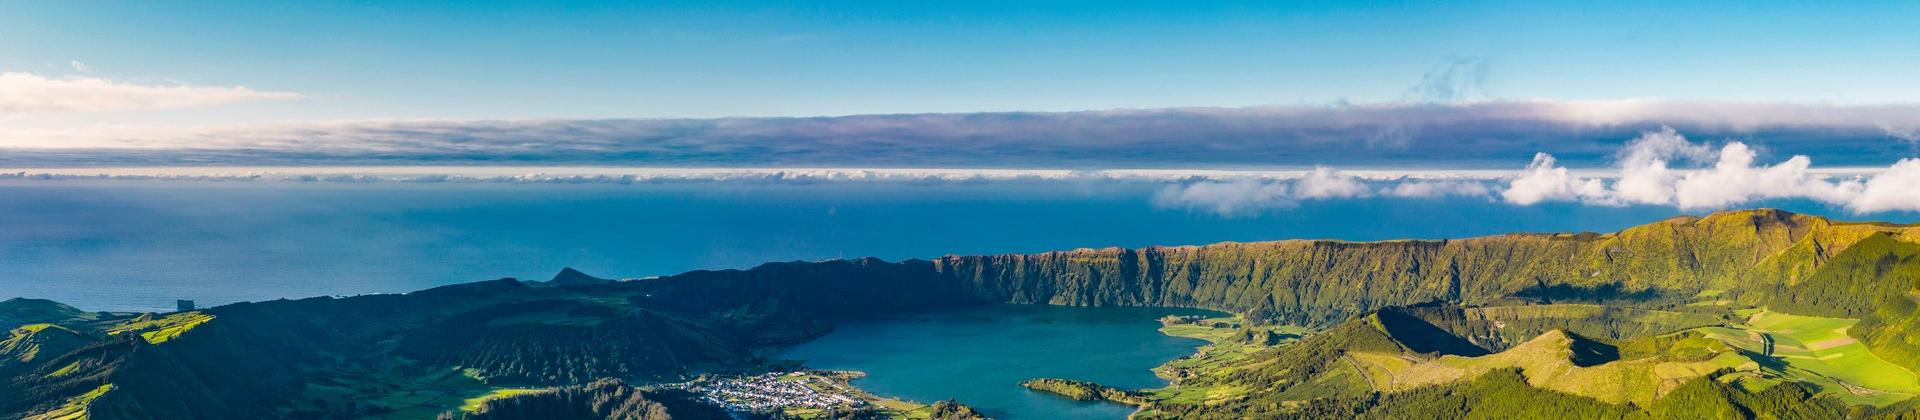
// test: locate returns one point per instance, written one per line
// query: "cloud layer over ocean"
(1480, 134)
(1237, 161)
(1660, 168)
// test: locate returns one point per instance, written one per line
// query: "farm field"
(1819, 350)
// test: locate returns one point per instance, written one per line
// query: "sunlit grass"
(473, 404)
(76, 407)
(159, 330)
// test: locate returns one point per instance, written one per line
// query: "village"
(778, 391)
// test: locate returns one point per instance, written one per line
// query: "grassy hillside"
(1613, 323)
(1351, 369)
(1500, 327)
(1877, 281)
(32, 342)
(1562, 362)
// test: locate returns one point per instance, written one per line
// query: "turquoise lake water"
(979, 355)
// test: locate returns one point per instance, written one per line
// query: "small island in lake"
(1085, 391)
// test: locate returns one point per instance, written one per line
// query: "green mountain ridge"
(1745, 255)
(1420, 322)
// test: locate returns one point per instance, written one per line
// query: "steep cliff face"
(1741, 255)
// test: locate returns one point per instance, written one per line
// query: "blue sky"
(722, 134)
(708, 59)
(1698, 105)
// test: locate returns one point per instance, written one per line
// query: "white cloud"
(1666, 144)
(26, 93)
(1242, 197)
(1325, 183)
(1649, 182)
(1644, 175)
(1739, 116)
(79, 66)
(1249, 196)
(1897, 189)
(1734, 179)
(1246, 196)
(1543, 180)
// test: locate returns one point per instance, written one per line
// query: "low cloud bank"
(1660, 168)
(1603, 153)
(1707, 178)
(1731, 176)
(1249, 196)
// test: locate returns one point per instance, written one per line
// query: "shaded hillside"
(29, 343)
(605, 399)
(1500, 327)
(251, 360)
(21, 311)
(824, 289)
(566, 341)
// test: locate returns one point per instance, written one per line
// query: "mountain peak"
(1756, 216)
(17, 311)
(568, 275)
(1578, 349)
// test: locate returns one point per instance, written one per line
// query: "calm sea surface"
(138, 245)
(979, 355)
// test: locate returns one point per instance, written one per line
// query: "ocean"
(137, 245)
